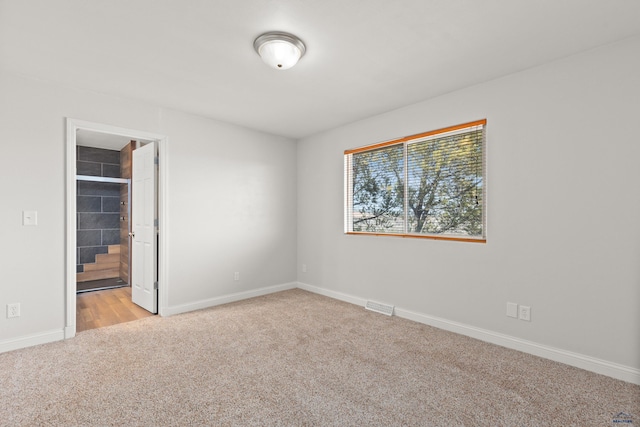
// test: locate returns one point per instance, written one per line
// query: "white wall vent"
(379, 308)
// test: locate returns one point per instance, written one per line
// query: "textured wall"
(125, 227)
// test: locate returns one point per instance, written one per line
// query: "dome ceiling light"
(279, 50)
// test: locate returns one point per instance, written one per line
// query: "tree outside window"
(426, 185)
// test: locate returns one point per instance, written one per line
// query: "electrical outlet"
(512, 310)
(525, 313)
(236, 276)
(304, 268)
(29, 218)
(13, 310)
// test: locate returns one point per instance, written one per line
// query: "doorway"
(106, 232)
(103, 204)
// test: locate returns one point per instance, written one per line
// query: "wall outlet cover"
(29, 218)
(13, 310)
(525, 313)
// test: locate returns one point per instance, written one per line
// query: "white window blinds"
(426, 185)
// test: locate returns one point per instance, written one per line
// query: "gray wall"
(231, 198)
(563, 212)
(232, 203)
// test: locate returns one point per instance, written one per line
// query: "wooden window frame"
(348, 187)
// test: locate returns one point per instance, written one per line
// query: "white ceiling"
(364, 57)
(107, 141)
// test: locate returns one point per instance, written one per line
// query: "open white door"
(144, 247)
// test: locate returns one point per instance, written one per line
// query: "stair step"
(97, 275)
(114, 249)
(107, 258)
(101, 266)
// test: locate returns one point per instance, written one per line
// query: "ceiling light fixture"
(279, 50)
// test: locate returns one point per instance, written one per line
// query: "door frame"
(73, 125)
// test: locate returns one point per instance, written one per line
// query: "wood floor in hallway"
(105, 308)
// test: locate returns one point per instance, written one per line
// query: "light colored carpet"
(296, 359)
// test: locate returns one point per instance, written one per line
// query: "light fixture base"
(279, 50)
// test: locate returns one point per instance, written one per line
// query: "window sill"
(421, 236)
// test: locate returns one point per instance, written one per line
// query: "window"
(429, 185)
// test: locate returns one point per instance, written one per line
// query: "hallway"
(105, 308)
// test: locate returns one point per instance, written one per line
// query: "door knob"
(132, 234)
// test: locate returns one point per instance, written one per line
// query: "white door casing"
(162, 141)
(144, 234)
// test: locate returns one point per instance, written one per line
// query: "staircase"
(107, 266)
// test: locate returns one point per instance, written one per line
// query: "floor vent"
(379, 308)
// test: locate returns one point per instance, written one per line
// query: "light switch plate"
(512, 309)
(29, 218)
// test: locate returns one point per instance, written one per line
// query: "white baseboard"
(225, 299)
(333, 294)
(599, 366)
(31, 340)
(69, 331)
